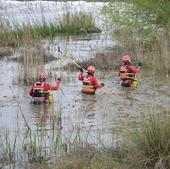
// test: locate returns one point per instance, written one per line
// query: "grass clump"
(146, 148)
(152, 49)
(88, 158)
(78, 23)
(152, 144)
(31, 59)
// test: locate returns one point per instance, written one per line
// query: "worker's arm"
(133, 69)
(57, 86)
(97, 84)
(81, 77)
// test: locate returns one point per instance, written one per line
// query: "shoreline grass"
(144, 147)
(72, 24)
(152, 50)
(152, 142)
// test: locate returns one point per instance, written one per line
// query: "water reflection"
(46, 116)
(89, 102)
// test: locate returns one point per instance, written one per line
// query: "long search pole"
(15, 98)
(69, 57)
(73, 61)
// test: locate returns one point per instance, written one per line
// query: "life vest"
(39, 94)
(126, 74)
(87, 86)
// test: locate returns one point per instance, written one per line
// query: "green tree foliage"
(143, 27)
(140, 12)
(158, 10)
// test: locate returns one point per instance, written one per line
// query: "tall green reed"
(152, 142)
(8, 147)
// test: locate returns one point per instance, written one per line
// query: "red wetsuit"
(40, 90)
(90, 83)
(127, 74)
(132, 69)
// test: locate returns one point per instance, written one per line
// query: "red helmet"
(126, 58)
(42, 76)
(91, 69)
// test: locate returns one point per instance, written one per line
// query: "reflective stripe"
(44, 92)
(49, 99)
(38, 90)
(127, 76)
(126, 73)
(88, 89)
(39, 99)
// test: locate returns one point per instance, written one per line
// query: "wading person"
(40, 91)
(127, 72)
(90, 82)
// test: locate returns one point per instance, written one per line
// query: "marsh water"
(95, 118)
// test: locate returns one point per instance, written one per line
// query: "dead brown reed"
(31, 62)
(153, 51)
(106, 61)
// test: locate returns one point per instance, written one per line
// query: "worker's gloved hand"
(81, 70)
(139, 64)
(102, 84)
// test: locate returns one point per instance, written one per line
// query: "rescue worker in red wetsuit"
(127, 72)
(90, 82)
(40, 91)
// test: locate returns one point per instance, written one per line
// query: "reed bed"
(152, 50)
(31, 59)
(72, 24)
(152, 143)
(105, 61)
(31, 54)
(145, 147)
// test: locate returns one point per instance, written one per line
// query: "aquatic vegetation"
(152, 142)
(88, 157)
(31, 59)
(103, 61)
(146, 146)
(143, 31)
(72, 24)
(8, 148)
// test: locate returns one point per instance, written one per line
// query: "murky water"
(99, 112)
(91, 118)
(94, 119)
